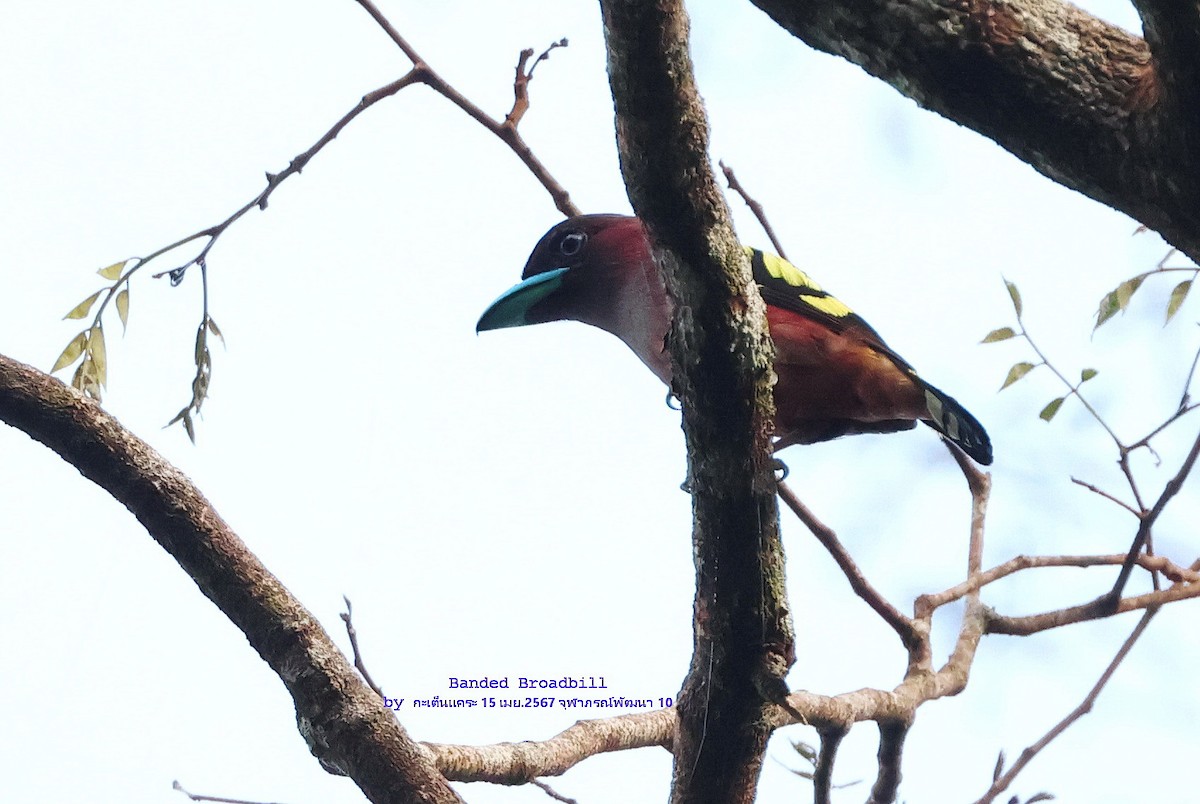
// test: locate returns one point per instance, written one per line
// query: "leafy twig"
(91, 375)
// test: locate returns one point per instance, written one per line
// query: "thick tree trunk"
(722, 374)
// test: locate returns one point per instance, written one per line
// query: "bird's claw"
(781, 470)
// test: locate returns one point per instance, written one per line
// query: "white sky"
(509, 504)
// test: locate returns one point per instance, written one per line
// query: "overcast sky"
(509, 504)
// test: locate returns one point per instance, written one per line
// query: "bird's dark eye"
(572, 243)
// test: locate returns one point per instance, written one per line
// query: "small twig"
(1073, 390)
(755, 207)
(221, 799)
(901, 624)
(1176, 416)
(522, 79)
(1004, 780)
(1106, 495)
(297, 164)
(501, 128)
(1187, 383)
(359, 664)
(550, 791)
(1150, 517)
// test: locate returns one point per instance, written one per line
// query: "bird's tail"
(954, 422)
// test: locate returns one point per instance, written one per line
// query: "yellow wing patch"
(810, 293)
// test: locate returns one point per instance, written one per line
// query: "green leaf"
(996, 335)
(1051, 409)
(85, 378)
(201, 344)
(1117, 300)
(184, 416)
(123, 308)
(1015, 373)
(113, 272)
(1126, 289)
(1177, 296)
(1086, 375)
(77, 379)
(71, 353)
(1015, 295)
(81, 310)
(215, 330)
(98, 354)
(1109, 306)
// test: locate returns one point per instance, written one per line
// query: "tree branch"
(1172, 31)
(755, 207)
(1001, 783)
(344, 723)
(519, 763)
(831, 738)
(891, 750)
(1097, 609)
(1148, 519)
(505, 129)
(721, 367)
(902, 625)
(1075, 97)
(925, 604)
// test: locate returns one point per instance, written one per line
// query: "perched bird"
(835, 375)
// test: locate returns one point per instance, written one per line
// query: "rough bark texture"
(721, 353)
(1079, 99)
(343, 721)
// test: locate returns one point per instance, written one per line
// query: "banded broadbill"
(835, 375)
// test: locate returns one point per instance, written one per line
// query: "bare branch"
(1097, 609)
(891, 750)
(219, 799)
(521, 763)
(1169, 490)
(344, 723)
(274, 180)
(505, 129)
(1001, 783)
(521, 82)
(925, 604)
(1106, 496)
(980, 485)
(902, 625)
(359, 664)
(550, 791)
(755, 207)
(831, 738)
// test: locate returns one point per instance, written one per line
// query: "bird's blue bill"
(511, 308)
